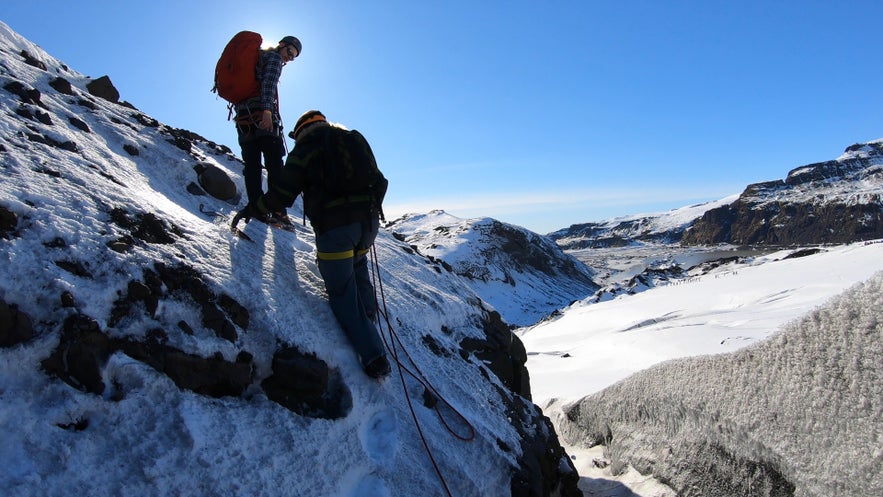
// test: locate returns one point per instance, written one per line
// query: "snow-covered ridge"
(523, 275)
(856, 177)
(855, 180)
(837, 201)
(68, 185)
(659, 227)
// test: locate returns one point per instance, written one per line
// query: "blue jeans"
(348, 283)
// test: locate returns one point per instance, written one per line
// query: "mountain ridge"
(115, 254)
(835, 201)
(525, 276)
(152, 351)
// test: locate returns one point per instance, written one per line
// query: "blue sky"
(541, 114)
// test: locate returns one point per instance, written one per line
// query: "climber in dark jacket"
(345, 231)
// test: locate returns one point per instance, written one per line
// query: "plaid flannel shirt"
(269, 71)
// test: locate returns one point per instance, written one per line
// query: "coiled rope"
(393, 343)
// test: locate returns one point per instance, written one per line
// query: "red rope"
(393, 345)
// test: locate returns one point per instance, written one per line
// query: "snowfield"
(659, 371)
(760, 374)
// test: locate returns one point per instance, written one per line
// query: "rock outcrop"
(837, 201)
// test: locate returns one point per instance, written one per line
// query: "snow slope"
(523, 275)
(71, 163)
(146, 436)
(798, 414)
(592, 348)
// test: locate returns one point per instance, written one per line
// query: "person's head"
(306, 122)
(289, 48)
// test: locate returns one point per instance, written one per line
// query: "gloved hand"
(247, 213)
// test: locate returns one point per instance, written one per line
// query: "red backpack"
(235, 78)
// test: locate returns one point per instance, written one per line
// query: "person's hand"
(266, 122)
(243, 214)
(246, 214)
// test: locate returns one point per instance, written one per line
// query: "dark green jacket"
(302, 173)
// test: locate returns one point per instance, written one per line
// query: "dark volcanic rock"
(15, 326)
(103, 88)
(837, 201)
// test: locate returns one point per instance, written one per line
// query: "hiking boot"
(378, 368)
(281, 217)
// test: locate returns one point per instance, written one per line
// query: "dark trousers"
(343, 263)
(254, 146)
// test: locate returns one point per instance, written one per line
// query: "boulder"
(103, 88)
(304, 384)
(215, 181)
(81, 355)
(8, 222)
(503, 353)
(15, 325)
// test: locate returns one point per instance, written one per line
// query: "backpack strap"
(373, 197)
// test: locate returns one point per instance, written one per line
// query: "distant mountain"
(523, 275)
(837, 201)
(656, 228)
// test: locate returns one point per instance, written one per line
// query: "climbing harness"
(337, 256)
(394, 344)
(246, 119)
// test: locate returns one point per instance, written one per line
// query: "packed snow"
(592, 346)
(798, 414)
(595, 345)
(145, 435)
(160, 440)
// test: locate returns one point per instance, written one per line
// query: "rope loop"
(395, 346)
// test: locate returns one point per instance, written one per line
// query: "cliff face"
(837, 201)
